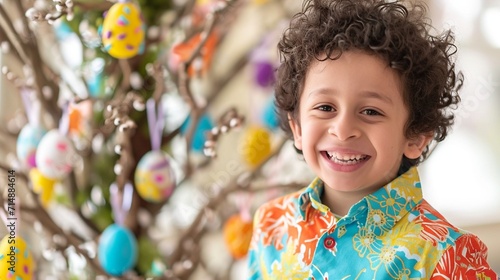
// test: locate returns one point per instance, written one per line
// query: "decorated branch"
(145, 130)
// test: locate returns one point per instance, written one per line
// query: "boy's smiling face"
(351, 123)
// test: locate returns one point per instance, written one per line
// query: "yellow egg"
(16, 261)
(256, 145)
(123, 30)
(42, 185)
(154, 177)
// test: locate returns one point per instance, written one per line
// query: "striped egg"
(123, 30)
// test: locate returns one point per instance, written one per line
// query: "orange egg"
(238, 234)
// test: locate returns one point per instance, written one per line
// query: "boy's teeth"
(337, 156)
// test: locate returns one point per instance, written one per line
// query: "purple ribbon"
(121, 201)
(156, 122)
(64, 122)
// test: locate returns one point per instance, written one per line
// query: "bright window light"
(490, 21)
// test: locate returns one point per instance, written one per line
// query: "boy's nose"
(344, 127)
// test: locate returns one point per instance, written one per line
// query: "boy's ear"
(296, 131)
(415, 146)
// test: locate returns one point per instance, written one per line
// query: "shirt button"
(329, 243)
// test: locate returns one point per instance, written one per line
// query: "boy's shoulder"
(425, 214)
(435, 229)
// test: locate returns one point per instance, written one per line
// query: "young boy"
(364, 89)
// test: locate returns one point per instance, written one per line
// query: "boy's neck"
(340, 202)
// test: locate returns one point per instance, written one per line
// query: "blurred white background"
(461, 178)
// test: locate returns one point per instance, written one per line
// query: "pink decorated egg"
(55, 155)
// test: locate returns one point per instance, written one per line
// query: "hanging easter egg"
(27, 142)
(117, 250)
(123, 30)
(42, 185)
(16, 261)
(154, 177)
(237, 235)
(205, 124)
(270, 116)
(256, 145)
(264, 73)
(55, 155)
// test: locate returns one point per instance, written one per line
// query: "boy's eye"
(326, 108)
(371, 112)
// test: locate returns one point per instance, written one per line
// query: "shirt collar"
(394, 199)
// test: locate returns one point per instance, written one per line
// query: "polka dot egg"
(123, 30)
(16, 261)
(154, 177)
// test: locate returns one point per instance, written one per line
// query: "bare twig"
(13, 36)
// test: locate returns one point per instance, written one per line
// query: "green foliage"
(102, 218)
(148, 252)
(152, 10)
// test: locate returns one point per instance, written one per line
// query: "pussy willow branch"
(196, 229)
(48, 223)
(118, 112)
(29, 53)
(12, 35)
(156, 71)
(12, 52)
(183, 12)
(183, 79)
(125, 79)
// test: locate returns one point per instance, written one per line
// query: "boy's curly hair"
(398, 34)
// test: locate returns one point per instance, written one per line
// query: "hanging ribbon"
(121, 201)
(64, 122)
(156, 123)
(244, 203)
(31, 111)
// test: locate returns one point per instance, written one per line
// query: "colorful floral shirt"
(390, 234)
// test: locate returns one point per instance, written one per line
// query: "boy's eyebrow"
(376, 95)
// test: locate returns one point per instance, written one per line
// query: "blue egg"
(205, 124)
(269, 116)
(27, 143)
(117, 250)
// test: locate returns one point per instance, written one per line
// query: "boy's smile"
(351, 125)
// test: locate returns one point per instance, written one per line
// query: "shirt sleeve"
(253, 252)
(467, 259)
